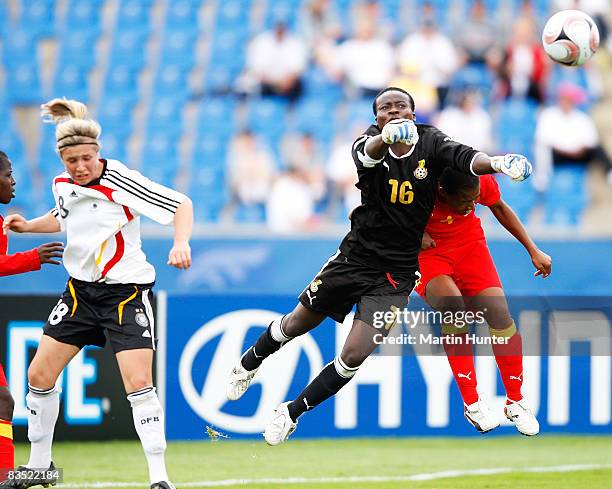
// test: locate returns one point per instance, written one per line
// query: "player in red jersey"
(458, 273)
(10, 265)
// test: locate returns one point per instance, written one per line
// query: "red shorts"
(3, 382)
(470, 265)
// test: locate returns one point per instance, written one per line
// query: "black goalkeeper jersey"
(397, 198)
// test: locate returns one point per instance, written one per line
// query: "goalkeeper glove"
(517, 167)
(400, 131)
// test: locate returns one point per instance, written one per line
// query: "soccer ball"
(570, 37)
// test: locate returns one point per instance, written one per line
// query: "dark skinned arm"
(509, 220)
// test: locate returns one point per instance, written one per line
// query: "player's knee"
(352, 357)
(40, 377)
(7, 404)
(138, 382)
(452, 304)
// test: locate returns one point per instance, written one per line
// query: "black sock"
(263, 348)
(324, 386)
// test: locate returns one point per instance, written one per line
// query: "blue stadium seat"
(115, 114)
(23, 84)
(316, 117)
(70, 81)
(78, 47)
(216, 116)
(360, 111)
(11, 144)
(84, 13)
(267, 116)
(521, 196)
(38, 17)
(567, 74)
(114, 146)
(172, 80)
(18, 47)
(183, 14)
(228, 49)
(128, 47)
(166, 114)
(473, 76)
(566, 196)
(232, 13)
(121, 80)
(516, 123)
(219, 80)
(134, 14)
(160, 151)
(250, 214)
(179, 48)
(318, 84)
(210, 152)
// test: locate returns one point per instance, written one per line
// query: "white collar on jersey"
(400, 157)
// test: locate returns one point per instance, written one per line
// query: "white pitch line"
(328, 480)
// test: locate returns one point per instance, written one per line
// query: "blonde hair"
(73, 127)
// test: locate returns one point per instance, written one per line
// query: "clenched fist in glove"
(400, 131)
(517, 167)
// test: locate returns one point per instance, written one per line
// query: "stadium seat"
(216, 116)
(128, 47)
(134, 14)
(209, 151)
(228, 50)
(11, 143)
(316, 117)
(172, 80)
(84, 13)
(219, 80)
(166, 114)
(121, 80)
(70, 81)
(183, 14)
(566, 196)
(284, 11)
(160, 153)
(233, 13)
(515, 126)
(522, 197)
(179, 48)
(114, 146)
(115, 114)
(250, 214)
(267, 116)
(317, 84)
(38, 16)
(78, 47)
(19, 46)
(23, 84)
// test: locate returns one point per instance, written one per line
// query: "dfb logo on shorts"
(141, 318)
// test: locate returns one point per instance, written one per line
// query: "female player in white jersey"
(98, 203)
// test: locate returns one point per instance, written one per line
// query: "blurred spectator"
(565, 135)
(477, 36)
(523, 69)
(291, 204)
(251, 169)
(342, 173)
(365, 61)
(409, 79)
(468, 122)
(319, 22)
(434, 55)
(302, 151)
(275, 62)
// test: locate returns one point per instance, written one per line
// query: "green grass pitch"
(393, 460)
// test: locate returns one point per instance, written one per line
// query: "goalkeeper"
(398, 164)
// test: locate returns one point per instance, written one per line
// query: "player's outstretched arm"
(516, 166)
(507, 218)
(180, 254)
(42, 224)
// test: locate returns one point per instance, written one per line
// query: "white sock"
(149, 422)
(43, 409)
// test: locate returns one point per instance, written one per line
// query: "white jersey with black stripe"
(102, 222)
